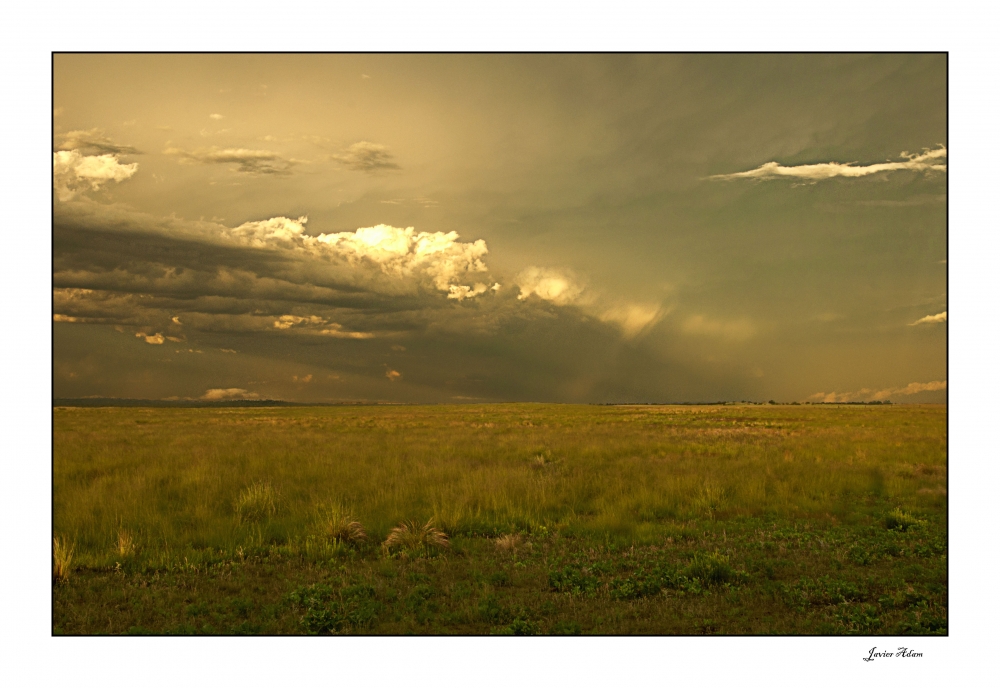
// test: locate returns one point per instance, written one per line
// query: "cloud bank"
(866, 394)
(928, 161)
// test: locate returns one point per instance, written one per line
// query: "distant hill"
(181, 403)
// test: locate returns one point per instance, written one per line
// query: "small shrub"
(572, 580)
(256, 502)
(491, 611)
(517, 627)
(500, 579)
(62, 559)
(411, 537)
(711, 568)
(897, 519)
(860, 555)
(566, 628)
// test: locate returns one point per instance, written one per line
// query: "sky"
(471, 228)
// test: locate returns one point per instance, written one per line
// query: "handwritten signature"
(900, 652)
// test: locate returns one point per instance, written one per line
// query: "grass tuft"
(509, 542)
(410, 536)
(256, 502)
(62, 559)
(711, 568)
(339, 526)
(125, 544)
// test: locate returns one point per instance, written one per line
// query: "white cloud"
(633, 318)
(939, 318)
(928, 161)
(401, 252)
(393, 375)
(275, 231)
(157, 338)
(215, 116)
(73, 172)
(549, 284)
(866, 394)
(285, 322)
(335, 330)
(230, 393)
(737, 330)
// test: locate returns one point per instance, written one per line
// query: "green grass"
(717, 519)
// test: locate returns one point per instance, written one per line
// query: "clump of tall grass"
(341, 527)
(410, 537)
(897, 519)
(62, 559)
(256, 502)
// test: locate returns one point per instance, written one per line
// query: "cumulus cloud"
(939, 318)
(866, 394)
(230, 393)
(403, 252)
(549, 284)
(393, 375)
(928, 161)
(93, 142)
(73, 172)
(365, 156)
(247, 161)
(633, 318)
(737, 330)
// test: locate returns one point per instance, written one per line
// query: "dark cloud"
(365, 156)
(94, 142)
(247, 161)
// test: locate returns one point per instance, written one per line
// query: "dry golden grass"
(62, 559)
(410, 536)
(510, 542)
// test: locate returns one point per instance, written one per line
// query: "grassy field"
(560, 520)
